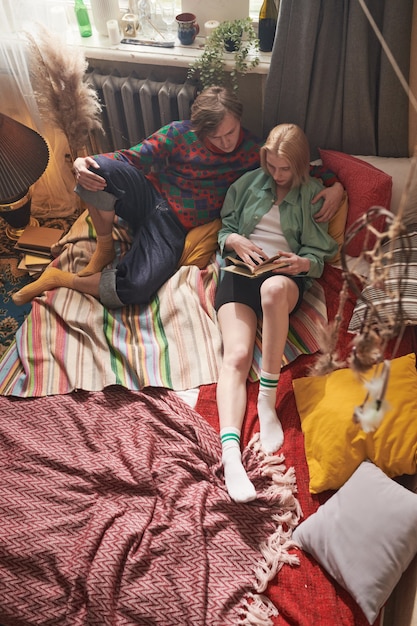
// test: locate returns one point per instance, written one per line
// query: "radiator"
(133, 108)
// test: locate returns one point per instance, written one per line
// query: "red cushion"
(366, 187)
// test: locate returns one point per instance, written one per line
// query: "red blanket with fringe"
(113, 511)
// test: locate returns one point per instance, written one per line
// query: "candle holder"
(130, 25)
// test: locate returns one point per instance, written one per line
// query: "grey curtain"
(330, 75)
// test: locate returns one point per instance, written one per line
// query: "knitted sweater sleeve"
(151, 153)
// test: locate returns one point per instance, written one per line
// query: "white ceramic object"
(103, 11)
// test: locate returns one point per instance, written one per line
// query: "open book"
(240, 267)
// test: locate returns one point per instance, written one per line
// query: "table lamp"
(24, 156)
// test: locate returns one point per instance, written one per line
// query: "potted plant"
(237, 38)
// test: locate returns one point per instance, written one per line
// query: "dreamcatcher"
(386, 254)
(383, 317)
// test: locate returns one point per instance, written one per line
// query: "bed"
(113, 508)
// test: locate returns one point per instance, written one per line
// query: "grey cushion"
(364, 536)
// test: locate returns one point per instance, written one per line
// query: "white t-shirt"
(268, 233)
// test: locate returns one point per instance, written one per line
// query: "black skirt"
(236, 288)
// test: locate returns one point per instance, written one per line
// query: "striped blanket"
(70, 341)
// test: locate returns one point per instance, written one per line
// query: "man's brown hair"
(210, 108)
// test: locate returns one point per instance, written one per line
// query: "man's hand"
(332, 197)
(85, 177)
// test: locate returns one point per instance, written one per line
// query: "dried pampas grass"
(64, 97)
(329, 359)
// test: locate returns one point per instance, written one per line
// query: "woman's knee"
(238, 357)
(281, 292)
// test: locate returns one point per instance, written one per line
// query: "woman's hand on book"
(245, 249)
(294, 264)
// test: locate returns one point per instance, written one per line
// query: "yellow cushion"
(200, 244)
(337, 226)
(335, 446)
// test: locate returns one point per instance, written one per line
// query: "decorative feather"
(367, 351)
(63, 95)
(370, 415)
(372, 411)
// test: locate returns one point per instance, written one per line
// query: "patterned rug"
(12, 279)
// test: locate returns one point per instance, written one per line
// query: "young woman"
(265, 212)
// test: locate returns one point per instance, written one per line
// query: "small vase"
(103, 11)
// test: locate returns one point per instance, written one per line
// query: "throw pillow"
(335, 446)
(200, 244)
(366, 187)
(365, 536)
(337, 226)
(402, 274)
(399, 168)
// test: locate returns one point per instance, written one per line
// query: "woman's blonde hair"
(288, 141)
(211, 107)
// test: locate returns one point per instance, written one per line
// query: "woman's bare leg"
(238, 325)
(279, 295)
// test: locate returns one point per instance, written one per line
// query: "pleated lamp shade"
(24, 156)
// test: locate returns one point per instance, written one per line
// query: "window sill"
(99, 47)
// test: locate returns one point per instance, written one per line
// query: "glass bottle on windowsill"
(83, 20)
(144, 14)
(268, 17)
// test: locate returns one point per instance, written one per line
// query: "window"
(254, 5)
(254, 8)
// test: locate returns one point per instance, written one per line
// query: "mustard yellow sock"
(102, 256)
(50, 279)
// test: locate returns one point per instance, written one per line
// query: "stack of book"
(35, 244)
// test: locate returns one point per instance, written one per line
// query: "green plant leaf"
(210, 68)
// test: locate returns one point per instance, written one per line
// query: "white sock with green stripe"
(271, 433)
(237, 481)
